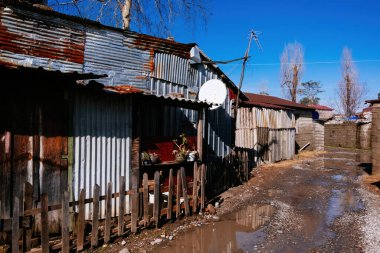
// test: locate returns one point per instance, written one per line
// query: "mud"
(312, 206)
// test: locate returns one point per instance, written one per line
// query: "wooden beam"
(156, 205)
(195, 188)
(28, 198)
(200, 143)
(16, 225)
(146, 199)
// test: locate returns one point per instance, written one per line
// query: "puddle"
(241, 231)
(340, 202)
(338, 178)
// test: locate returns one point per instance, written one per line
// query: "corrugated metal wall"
(102, 144)
(268, 133)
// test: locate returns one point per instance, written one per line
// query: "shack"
(93, 140)
(270, 129)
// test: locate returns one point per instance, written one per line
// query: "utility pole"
(253, 35)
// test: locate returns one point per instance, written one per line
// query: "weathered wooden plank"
(195, 188)
(156, 205)
(44, 223)
(146, 199)
(120, 224)
(107, 227)
(65, 223)
(95, 217)
(16, 225)
(178, 194)
(28, 198)
(184, 190)
(203, 172)
(81, 221)
(170, 196)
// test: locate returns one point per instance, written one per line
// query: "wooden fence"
(78, 238)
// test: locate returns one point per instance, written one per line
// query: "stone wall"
(375, 136)
(348, 135)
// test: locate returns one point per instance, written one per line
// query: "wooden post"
(28, 198)
(65, 223)
(156, 205)
(135, 210)
(146, 199)
(178, 194)
(200, 134)
(203, 170)
(81, 222)
(44, 223)
(16, 225)
(170, 196)
(135, 163)
(195, 188)
(95, 216)
(184, 190)
(120, 226)
(107, 227)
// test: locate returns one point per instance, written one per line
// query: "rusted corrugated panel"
(149, 43)
(106, 53)
(34, 40)
(102, 144)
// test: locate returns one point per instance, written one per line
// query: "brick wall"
(375, 136)
(348, 135)
(341, 135)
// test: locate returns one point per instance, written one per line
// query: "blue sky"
(324, 27)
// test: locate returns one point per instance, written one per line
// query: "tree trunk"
(126, 14)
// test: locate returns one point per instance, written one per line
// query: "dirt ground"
(319, 202)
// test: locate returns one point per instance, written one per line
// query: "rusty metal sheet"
(32, 40)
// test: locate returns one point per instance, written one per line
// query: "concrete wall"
(365, 135)
(348, 135)
(304, 129)
(375, 136)
(319, 135)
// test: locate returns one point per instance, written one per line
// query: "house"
(95, 98)
(271, 129)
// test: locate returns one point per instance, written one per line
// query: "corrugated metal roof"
(274, 101)
(123, 89)
(28, 71)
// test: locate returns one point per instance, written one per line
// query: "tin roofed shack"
(81, 137)
(271, 129)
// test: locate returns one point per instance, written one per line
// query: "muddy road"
(319, 204)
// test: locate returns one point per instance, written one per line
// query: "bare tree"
(350, 91)
(153, 17)
(291, 69)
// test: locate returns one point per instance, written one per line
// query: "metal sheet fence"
(267, 133)
(102, 144)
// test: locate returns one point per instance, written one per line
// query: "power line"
(308, 63)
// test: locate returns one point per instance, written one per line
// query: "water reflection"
(239, 232)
